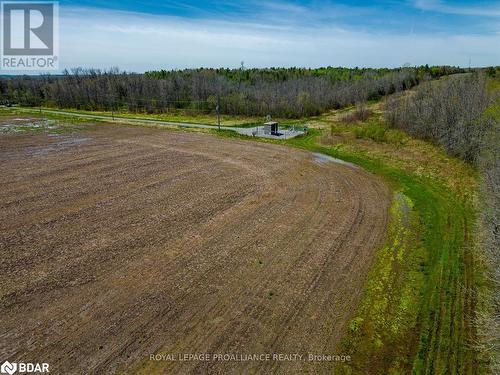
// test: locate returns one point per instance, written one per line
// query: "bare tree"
(449, 113)
(488, 321)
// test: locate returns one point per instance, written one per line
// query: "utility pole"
(218, 110)
(242, 70)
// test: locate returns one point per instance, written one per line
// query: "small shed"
(271, 127)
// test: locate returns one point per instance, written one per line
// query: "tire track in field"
(143, 241)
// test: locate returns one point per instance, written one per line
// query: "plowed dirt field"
(120, 242)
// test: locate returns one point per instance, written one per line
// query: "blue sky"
(144, 35)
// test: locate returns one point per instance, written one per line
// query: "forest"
(450, 113)
(280, 92)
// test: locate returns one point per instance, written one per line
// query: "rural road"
(120, 242)
(126, 119)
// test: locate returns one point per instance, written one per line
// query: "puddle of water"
(323, 159)
(65, 143)
(23, 119)
(72, 141)
(19, 125)
(10, 128)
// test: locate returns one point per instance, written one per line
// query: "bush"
(361, 113)
(374, 132)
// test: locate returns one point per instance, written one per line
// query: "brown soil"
(120, 242)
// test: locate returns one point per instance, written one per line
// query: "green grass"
(372, 129)
(386, 315)
(373, 132)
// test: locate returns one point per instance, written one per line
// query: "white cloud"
(139, 42)
(439, 6)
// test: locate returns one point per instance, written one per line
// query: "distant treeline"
(335, 74)
(280, 92)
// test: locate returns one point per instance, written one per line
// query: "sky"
(145, 35)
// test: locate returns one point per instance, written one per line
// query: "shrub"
(360, 113)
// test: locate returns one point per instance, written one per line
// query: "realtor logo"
(29, 35)
(24, 368)
(8, 368)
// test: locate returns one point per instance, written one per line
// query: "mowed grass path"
(419, 299)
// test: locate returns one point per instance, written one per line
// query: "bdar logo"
(8, 368)
(24, 368)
